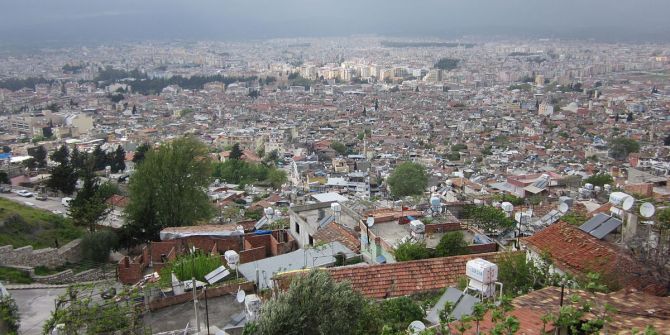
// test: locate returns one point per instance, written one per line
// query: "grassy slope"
(21, 225)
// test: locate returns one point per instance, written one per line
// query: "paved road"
(51, 204)
(55, 205)
(35, 307)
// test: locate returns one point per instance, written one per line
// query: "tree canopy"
(314, 304)
(339, 147)
(621, 147)
(452, 243)
(168, 190)
(599, 179)
(488, 218)
(447, 63)
(408, 178)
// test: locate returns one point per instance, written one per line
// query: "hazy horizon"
(30, 22)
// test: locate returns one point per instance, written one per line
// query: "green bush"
(409, 251)
(11, 275)
(96, 246)
(188, 266)
(452, 244)
(398, 313)
(9, 314)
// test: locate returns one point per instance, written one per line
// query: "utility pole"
(195, 305)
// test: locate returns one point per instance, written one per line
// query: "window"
(311, 240)
(297, 228)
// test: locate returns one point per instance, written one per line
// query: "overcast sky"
(32, 21)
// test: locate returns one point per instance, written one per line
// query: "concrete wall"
(49, 257)
(188, 296)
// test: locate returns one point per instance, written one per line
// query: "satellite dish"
(370, 221)
(647, 210)
(240, 296)
(416, 327)
(563, 207)
(628, 203)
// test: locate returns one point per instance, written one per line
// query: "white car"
(24, 193)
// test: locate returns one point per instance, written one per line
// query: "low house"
(576, 252)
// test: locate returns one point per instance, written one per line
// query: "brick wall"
(131, 271)
(162, 248)
(259, 241)
(211, 293)
(253, 254)
(482, 248)
(49, 257)
(646, 189)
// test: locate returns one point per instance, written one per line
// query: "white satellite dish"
(416, 327)
(563, 207)
(647, 210)
(240, 296)
(628, 203)
(370, 221)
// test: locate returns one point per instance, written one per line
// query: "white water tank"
(507, 207)
(252, 307)
(335, 207)
(269, 211)
(232, 258)
(482, 271)
(588, 186)
(619, 198)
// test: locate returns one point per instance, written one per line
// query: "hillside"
(22, 225)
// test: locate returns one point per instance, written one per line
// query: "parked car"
(24, 193)
(5, 189)
(66, 202)
(41, 197)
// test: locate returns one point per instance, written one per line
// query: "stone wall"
(48, 257)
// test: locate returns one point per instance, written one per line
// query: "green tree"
(96, 246)
(77, 158)
(276, 178)
(407, 179)
(621, 147)
(4, 178)
(99, 158)
(313, 304)
(488, 218)
(63, 178)
(235, 153)
(398, 313)
(452, 244)
(339, 147)
(90, 204)
(40, 155)
(410, 251)
(447, 63)
(599, 179)
(9, 314)
(140, 151)
(61, 155)
(118, 160)
(168, 190)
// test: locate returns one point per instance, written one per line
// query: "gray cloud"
(75, 20)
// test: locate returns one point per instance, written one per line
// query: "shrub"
(97, 245)
(188, 266)
(9, 314)
(409, 251)
(452, 244)
(398, 313)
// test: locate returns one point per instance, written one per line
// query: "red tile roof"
(335, 232)
(405, 278)
(578, 253)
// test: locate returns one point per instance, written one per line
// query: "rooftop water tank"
(481, 270)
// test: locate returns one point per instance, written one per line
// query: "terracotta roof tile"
(579, 253)
(405, 278)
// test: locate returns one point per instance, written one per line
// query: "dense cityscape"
(336, 185)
